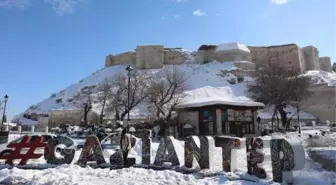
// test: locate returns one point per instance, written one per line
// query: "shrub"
(232, 81)
(224, 73)
(240, 79)
(58, 100)
(206, 61)
(87, 89)
(53, 95)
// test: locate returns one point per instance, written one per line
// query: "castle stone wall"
(200, 57)
(311, 57)
(325, 64)
(245, 65)
(123, 58)
(203, 56)
(322, 103)
(259, 56)
(149, 57)
(174, 57)
(288, 55)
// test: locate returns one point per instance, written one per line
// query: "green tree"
(334, 67)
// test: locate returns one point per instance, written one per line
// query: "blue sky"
(46, 45)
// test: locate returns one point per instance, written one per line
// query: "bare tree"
(300, 92)
(83, 100)
(165, 92)
(16, 119)
(118, 98)
(276, 85)
(104, 92)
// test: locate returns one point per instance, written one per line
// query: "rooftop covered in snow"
(208, 95)
(232, 46)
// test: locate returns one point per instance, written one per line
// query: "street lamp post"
(298, 117)
(128, 69)
(4, 112)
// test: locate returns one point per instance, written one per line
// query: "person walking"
(125, 145)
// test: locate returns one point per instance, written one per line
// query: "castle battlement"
(289, 55)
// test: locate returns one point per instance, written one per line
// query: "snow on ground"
(311, 174)
(322, 77)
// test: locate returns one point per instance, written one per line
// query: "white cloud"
(198, 12)
(21, 4)
(61, 7)
(177, 16)
(279, 2)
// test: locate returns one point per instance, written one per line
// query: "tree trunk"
(85, 117)
(117, 116)
(102, 112)
(122, 116)
(275, 110)
(278, 123)
(283, 115)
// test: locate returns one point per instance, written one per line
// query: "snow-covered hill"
(199, 75)
(322, 77)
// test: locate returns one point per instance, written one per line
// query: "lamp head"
(6, 97)
(129, 68)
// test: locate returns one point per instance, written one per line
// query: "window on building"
(224, 129)
(232, 128)
(207, 122)
(225, 124)
(248, 128)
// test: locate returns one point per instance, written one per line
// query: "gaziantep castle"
(322, 104)
(246, 57)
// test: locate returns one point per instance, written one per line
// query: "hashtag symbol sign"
(24, 157)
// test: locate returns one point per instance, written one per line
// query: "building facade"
(220, 119)
(70, 117)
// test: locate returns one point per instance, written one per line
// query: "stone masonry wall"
(222, 56)
(173, 57)
(149, 57)
(325, 64)
(290, 56)
(123, 58)
(311, 57)
(322, 103)
(287, 55)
